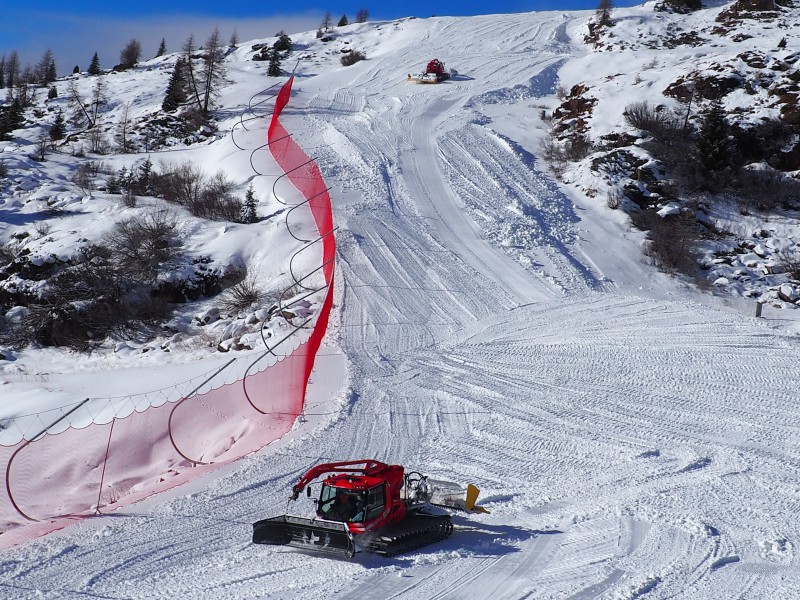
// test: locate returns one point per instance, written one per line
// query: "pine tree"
(604, 9)
(283, 43)
(162, 48)
(176, 95)
(11, 118)
(142, 181)
(343, 21)
(76, 69)
(58, 128)
(112, 184)
(94, 66)
(248, 213)
(2, 71)
(274, 69)
(52, 93)
(714, 151)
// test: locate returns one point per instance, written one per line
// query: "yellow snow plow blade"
(451, 495)
(472, 498)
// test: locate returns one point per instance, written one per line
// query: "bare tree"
(130, 55)
(98, 143)
(98, 100)
(80, 110)
(42, 144)
(189, 50)
(24, 91)
(45, 71)
(212, 72)
(123, 131)
(88, 112)
(362, 15)
(12, 70)
(326, 21)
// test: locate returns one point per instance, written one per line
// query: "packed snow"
(632, 435)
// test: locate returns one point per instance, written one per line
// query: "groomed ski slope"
(631, 437)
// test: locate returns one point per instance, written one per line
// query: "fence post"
(759, 307)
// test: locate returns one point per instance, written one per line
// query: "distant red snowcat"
(369, 506)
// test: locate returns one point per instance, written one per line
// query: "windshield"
(349, 506)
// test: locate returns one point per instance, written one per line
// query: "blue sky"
(76, 29)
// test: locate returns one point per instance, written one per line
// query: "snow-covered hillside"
(632, 435)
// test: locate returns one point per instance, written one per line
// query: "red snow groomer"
(435, 72)
(369, 506)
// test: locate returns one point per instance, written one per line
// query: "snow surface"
(632, 436)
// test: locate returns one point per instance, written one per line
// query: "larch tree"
(12, 70)
(212, 71)
(189, 51)
(45, 71)
(130, 55)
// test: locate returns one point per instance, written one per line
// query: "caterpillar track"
(415, 532)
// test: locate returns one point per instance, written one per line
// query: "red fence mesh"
(58, 478)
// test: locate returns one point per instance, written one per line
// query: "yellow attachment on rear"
(472, 498)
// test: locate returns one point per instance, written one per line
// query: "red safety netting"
(59, 478)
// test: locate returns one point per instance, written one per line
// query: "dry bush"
(554, 155)
(143, 246)
(655, 120)
(84, 177)
(181, 184)
(216, 200)
(243, 296)
(185, 184)
(129, 198)
(789, 261)
(614, 198)
(577, 147)
(353, 57)
(672, 244)
(768, 189)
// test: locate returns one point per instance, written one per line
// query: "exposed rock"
(787, 293)
(709, 87)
